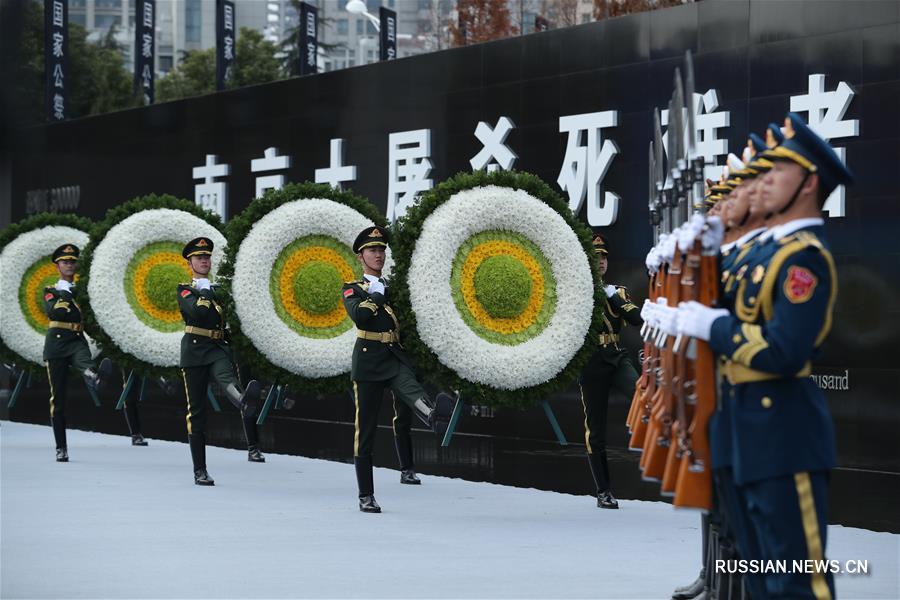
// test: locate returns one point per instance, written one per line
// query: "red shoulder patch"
(185, 293)
(348, 292)
(48, 296)
(799, 284)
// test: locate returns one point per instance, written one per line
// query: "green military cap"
(600, 244)
(66, 252)
(371, 236)
(197, 246)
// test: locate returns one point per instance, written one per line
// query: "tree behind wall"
(98, 80)
(604, 9)
(254, 63)
(481, 21)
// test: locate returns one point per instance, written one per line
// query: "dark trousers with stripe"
(599, 378)
(737, 527)
(196, 381)
(58, 375)
(367, 396)
(788, 515)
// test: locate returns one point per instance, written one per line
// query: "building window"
(390, 3)
(106, 21)
(78, 19)
(370, 28)
(165, 64)
(586, 18)
(192, 21)
(343, 27)
(359, 27)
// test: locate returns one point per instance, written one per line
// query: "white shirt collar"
(790, 227)
(726, 247)
(370, 277)
(749, 236)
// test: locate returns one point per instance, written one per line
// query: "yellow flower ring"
(150, 278)
(41, 274)
(306, 285)
(521, 292)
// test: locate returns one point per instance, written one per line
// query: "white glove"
(376, 287)
(712, 234)
(610, 290)
(696, 320)
(202, 284)
(666, 319)
(646, 311)
(64, 285)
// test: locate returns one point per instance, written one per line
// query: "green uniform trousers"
(367, 396)
(58, 374)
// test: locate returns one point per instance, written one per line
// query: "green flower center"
(317, 287)
(502, 286)
(160, 283)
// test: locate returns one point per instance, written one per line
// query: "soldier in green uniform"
(205, 355)
(608, 368)
(65, 345)
(380, 363)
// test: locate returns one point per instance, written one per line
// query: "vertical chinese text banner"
(145, 49)
(308, 44)
(56, 47)
(224, 42)
(388, 32)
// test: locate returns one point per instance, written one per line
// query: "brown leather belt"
(216, 334)
(76, 327)
(608, 338)
(386, 337)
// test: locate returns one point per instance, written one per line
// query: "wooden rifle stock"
(656, 446)
(694, 486)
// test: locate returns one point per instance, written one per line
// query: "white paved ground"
(123, 522)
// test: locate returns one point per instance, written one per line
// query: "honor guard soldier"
(608, 368)
(782, 446)
(206, 355)
(65, 345)
(380, 363)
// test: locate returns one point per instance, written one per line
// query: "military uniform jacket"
(373, 360)
(618, 310)
(200, 308)
(59, 305)
(783, 301)
(731, 262)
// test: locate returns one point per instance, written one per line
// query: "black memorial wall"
(755, 55)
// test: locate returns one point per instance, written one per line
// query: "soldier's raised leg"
(196, 380)
(367, 397)
(407, 389)
(245, 400)
(402, 425)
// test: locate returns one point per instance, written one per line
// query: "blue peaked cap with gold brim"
(802, 146)
(774, 136)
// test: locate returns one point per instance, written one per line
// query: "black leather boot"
(691, 590)
(408, 476)
(201, 477)
(254, 455)
(605, 499)
(138, 440)
(248, 400)
(62, 455)
(368, 504)
(197, 443)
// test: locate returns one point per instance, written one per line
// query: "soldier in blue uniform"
(380, 363)
(782, 446)
(609, 367)
(65, 346)
(206, 355)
